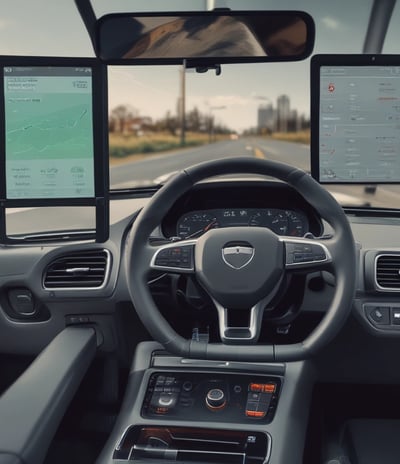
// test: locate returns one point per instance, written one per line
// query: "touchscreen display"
(48, 114)
(359, 123)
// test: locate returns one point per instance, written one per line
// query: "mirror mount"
(205, 68)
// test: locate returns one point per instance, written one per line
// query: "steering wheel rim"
(340, 245)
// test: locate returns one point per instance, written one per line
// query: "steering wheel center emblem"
(237, 257)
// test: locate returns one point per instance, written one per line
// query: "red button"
(256, 387)
(255, 414)
(269, 388)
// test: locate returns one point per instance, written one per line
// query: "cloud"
(330, 23)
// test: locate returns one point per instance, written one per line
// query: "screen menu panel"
(49, 150)
(359, 123)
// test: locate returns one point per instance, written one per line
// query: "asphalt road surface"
(152, 167)
(146, 170)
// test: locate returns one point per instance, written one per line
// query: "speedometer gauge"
(275, 220)
(279, 224)
(296, 224)
(280, 221)
(195, 224)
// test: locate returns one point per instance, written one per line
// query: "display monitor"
(54, 133)
(355, 118)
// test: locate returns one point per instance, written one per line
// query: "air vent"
(84, 270)
(387, 272)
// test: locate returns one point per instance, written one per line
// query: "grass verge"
(297, 137)
(122, 146)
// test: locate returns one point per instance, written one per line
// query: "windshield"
(163, 119)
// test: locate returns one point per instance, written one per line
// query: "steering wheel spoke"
(306, 253)
(242, 335)
(174, 257)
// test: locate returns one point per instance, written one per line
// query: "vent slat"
(90, 270)
(388, 271)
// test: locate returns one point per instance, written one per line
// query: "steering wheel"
(241, 268)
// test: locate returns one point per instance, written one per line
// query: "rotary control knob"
(215, 399)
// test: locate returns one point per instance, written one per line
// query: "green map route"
(66, 133)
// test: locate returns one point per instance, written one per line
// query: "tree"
(193, 120)
(168, 123)
(120, 117)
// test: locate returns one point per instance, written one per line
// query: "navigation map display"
(49, 150)
(356, 118)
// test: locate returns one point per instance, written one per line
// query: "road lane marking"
(259, 153)
(271, 150)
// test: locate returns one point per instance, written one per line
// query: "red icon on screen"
(331, 87)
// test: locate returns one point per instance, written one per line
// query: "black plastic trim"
(34, 405)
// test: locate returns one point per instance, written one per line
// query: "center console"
(201, 411)
(203, 397)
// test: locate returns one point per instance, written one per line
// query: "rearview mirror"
(210, 37)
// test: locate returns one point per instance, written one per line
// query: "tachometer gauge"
(194, 224)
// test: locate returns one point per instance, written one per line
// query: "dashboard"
(281, 221)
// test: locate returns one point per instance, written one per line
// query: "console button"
(175, 257)
(163, 402)
(395, 316)
(251, 406)
(379, 314)
(265, 400)
(258, 414)
(253, 396)
(269, 388)
(167, 400)
(187, 386)
(160, 380)
(256, 387)
(215, 399)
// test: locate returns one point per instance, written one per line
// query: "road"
(148, 169)
(144, 171)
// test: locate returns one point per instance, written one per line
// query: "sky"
(53, 27)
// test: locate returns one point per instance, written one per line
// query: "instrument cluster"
(281, 221)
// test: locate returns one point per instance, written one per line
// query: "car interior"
(241, 310)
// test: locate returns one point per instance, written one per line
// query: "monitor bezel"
(100, 199)
(317, 62)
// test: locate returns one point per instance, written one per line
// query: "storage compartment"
(200, 445)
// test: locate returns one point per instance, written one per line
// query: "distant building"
(293, 122)
(281, 119)
(283, 113)
(304, 122)
(266, 118)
